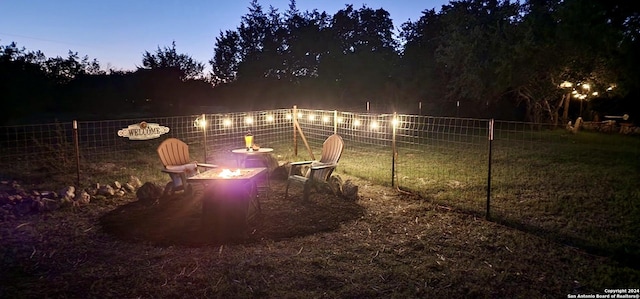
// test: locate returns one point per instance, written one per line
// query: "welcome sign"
(143, 131)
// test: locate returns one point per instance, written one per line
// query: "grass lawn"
(552, 234)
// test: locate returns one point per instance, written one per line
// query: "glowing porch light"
(226, 122)
(325, 119)
(356, 122)
(248, 120)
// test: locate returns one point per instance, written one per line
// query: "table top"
(262, 150)
(236, 174)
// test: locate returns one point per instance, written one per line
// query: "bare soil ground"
(387, 244)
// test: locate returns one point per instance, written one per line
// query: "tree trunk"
(565, 113)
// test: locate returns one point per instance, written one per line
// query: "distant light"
(269, 118)
(339, 120)
(288, 116)
(248, 120)
(226, 122)
(200, 122)
(566, 84)
(311, 117)
(299, 114)
(325, 119)
(356, 122)
(395, 122)
(374, 125)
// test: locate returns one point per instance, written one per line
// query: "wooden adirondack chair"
(319, 171)
(174, 154)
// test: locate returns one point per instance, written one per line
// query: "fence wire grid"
(444, 158)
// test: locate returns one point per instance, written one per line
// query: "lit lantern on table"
(248, 140)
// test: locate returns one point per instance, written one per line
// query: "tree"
(226, 58)
(168, 58)
(26, 88)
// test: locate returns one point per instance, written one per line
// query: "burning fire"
(226, 173)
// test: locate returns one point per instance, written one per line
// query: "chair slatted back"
(331, 152)
(173, 151)
(332, 149)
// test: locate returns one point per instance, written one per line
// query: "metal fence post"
(204, 129)
(491, 122)
(335, 121)
(77, 150)
(394, 123)
(294, 118)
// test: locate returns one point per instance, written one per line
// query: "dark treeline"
(472, 58)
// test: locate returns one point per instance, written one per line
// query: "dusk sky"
(118, 32)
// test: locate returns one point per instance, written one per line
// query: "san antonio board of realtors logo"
(143, 131)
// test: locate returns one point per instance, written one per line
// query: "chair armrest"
(172, 171)
(207, 165)
(301, 163)
(322, 166)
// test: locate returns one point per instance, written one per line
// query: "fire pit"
(230, 199)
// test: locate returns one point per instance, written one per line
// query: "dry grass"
(385, 245)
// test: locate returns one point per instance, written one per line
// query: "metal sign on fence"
(143, 131)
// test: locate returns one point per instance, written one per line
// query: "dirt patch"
(179, 220)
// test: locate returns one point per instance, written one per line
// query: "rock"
(68, 192)
(350, 190)
(119, 193)
(149, 192)
(335, 183)
(49, 194)
(129, 187)
(106, 191)
(117, 185)
(82, 197)
(135, 182)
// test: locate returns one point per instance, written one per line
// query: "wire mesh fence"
(444, 158)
